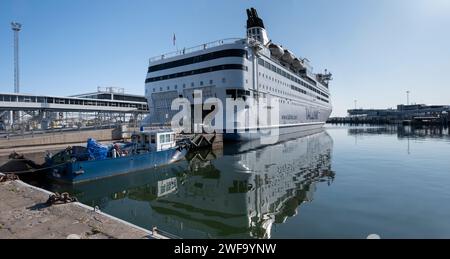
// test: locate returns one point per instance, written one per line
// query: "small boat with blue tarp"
(147, 149)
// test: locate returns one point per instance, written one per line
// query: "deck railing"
(185, 51)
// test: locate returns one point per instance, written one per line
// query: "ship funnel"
(253, 19)
(255, 27)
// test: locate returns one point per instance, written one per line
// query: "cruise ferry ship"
(251, 68)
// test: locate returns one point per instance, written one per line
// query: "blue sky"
(376, 49)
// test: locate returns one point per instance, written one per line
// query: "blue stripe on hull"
(84, 171)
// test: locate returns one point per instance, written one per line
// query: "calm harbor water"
(343, 182)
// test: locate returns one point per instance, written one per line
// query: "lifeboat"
(288, 57)
(276, 51)
(297, 64)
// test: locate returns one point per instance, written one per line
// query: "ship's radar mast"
(255, 27)
(325, 78)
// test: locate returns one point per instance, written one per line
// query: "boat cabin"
(154, 141)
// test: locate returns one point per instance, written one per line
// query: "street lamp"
(16, 27)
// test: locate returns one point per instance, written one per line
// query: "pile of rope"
(64, 198)
(18, 164)
(14, 155)
(8, 177)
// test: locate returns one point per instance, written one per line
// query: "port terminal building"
(402, 114)
(105, 106)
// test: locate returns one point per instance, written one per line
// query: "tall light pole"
(407, 97)
(356, 104)
(16, 27)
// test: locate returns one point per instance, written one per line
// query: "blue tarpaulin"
(96, 150)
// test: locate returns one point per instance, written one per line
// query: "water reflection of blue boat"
(147, 150)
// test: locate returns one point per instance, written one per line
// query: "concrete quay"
(24, 214)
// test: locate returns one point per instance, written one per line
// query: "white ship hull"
(284, 131)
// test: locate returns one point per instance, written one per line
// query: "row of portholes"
(192, 85)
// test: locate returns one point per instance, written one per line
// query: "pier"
(26, 214)
(25, 211)
(418, 114)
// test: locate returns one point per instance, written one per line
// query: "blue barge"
(147, 150)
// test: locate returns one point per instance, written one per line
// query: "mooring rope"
(34, 170)
(56, 199)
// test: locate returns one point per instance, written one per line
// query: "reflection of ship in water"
(402, 131)
(238, 195)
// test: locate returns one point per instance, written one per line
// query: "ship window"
(199, 71)
(201, 83)
(153, 139)
(160, 89)
(211, 82)
(168, 88)
(165, 138)
(184, 85)
(224, 80)
(201, 58)
(192, 84)
(176, 86)
(231, 92)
